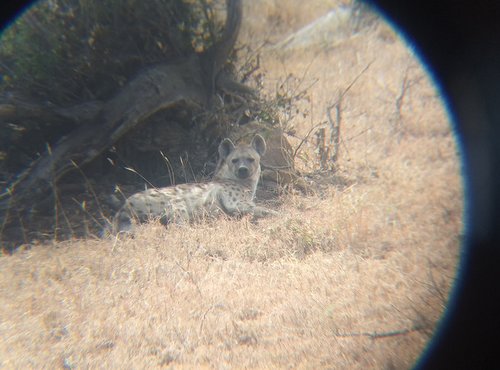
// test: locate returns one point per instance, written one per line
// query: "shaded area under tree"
(161, 126)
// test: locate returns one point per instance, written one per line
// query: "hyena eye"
(234, 160)
(251, 160)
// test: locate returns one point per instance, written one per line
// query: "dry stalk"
(170, 169)
(437, 289)
(142, 177)
(384, 334)
(337, 103)
(57, 203)
(89, 187)
(328, 152)
(406, 84)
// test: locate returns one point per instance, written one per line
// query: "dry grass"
(309, 289)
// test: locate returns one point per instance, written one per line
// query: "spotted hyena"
(230, 192)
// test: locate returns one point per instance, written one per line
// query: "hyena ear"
(225, 148)
(259, 144)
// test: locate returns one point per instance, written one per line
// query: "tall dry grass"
(355, 276)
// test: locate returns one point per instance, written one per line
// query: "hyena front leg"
(260, 212)
(245, 207)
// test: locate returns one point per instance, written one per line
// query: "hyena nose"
(243, 172)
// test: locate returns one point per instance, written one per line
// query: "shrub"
(68, 51)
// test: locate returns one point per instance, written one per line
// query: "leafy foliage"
(67, 51)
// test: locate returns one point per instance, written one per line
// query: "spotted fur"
(231, 192)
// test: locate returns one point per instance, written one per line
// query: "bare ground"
(355, 276)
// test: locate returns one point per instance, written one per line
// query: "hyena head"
(241, 163)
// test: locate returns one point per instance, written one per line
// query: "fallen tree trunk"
(17, 109)
(153, 90)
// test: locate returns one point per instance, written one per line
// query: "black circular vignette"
(459, 43)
